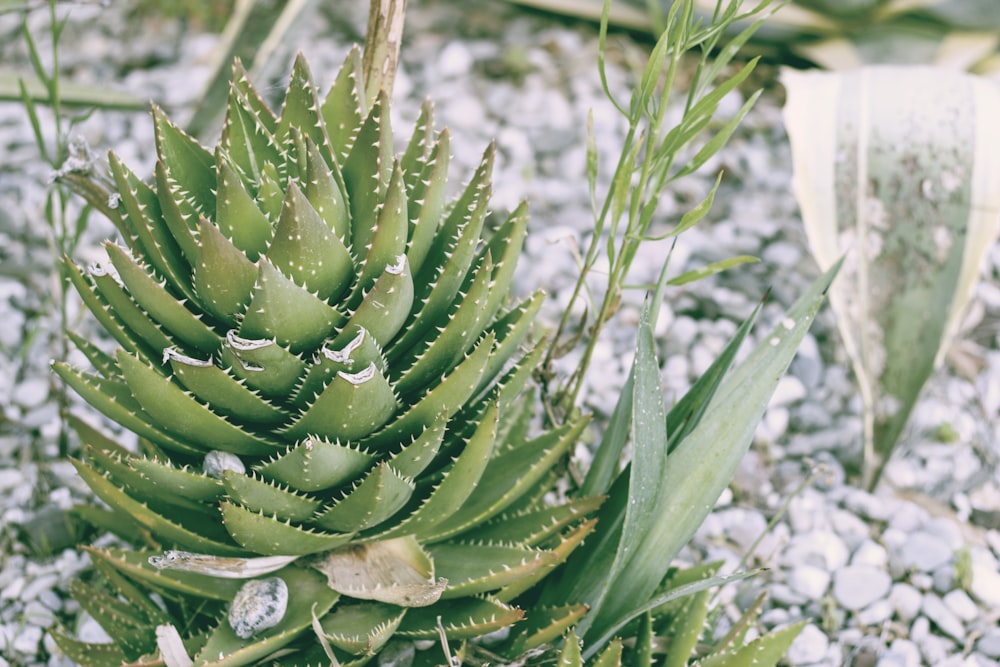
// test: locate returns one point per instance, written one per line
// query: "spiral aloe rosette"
(317, 357)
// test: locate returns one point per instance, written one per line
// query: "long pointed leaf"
(702, 465)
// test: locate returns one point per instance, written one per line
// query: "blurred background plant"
(840, 34)
(65, 220)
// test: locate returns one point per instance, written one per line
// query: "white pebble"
(454, 60)
(32, 392)
(871, 553)
(959, 602)
(985, 584)
(9, 478)
(923, 552)
(857, 586)
(906, 600)
(809, 647)
(821, 548)
(945, 619)
(810, 581)
(26, 640)
(989, 643)
(947, 530)
(258, 605)
(906, 653)
(789, 390)
(217, 462)
(876, 613)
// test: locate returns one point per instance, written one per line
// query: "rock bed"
(904, 577)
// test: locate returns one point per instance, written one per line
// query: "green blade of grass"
(71, 95)
(697, 470)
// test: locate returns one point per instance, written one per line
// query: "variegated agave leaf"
(897, 167)
(317, 351)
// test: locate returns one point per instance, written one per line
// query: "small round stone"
(857, 586)
(906, 600)
(217, 462)
(809, 580)
(923, 552)
(809, 647)
(943, 617)
(959, 602)
(260, 604)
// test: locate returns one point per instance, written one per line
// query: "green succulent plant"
(319, 359)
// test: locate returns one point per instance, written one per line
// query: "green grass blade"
(71, 95)
(702, 465)
(669, 596)
(711, 269)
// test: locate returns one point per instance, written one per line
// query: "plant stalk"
(382, 42)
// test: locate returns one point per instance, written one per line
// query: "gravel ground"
(906, 576)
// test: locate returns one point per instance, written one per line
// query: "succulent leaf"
(306, 250)
(108, 610)
(163, 401)
(461, 618)
(225, 393)
(427, 198)
(341, 109)
(457, 483)
(189, 164)
(179, 215)
(135, 320)
(169, 530)
(477, 568)
(533, 526)
(90, 653)
(445, 398)
(396, 571)
(452, 340)
(223, 276)
(510, 474)
(352, 405)
(282, 310)
(300, 111)
(545, 625)
(385, 307)
(263, 364)
(268, 535)
(184, 482)
(248, 143)
(316, 464)
(151, 233)
(374, 499)
(237, 215)
(366, 170)
(324, 188)
(258, 495)
(114, 399)
(362, 628)
(388, 239)
(164, 308)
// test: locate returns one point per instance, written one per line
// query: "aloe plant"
(318, 357)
